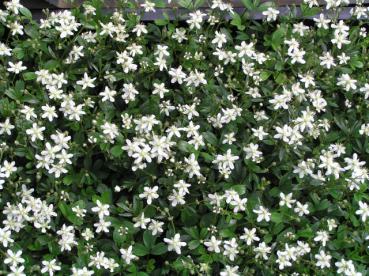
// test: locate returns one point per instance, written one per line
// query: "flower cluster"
(209, 144)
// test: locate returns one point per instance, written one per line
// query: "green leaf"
(69, 214)
(67, 180)
(160, 4)
(31, 31)
(140, 250)
(322, 205)
(118, 237)
(185, 147)
(307, 12)
(248, 4)
(159, 249)
(161, 22)
(264, 6)
(137, 205)
(227, 233)
(210, 138)
(355, 63)
(281, 78)
(26, 12)
(149, 239)
(237, 21)
(189, 216)
(354, 220)
(193, 232)
(278, 38)
(240, 189)
(18, 53)
(306, 233)
(265, 75)
(51, 65)
(193, 244)
(116, 150)
(208, 219)
(276, 217)
(207, 157)
(29, 76)
(187, 4)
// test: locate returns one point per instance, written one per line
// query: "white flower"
(347, 82)
(86, 81)
(253, 153)
(213, 244)
(6, 127)
(148, 6)
(363, 211)
(220, 39)
(249, 236)
(139, 29)
(4, 50)
(49, 112)
(175, 243)
(129, 92)
(177, 75)
(271, 14)
(108, 94)
(262, 250)
(231, 249)
(284, 133)
(141, 221)
(226, 161)
(16, 68)
(345, 267)
(323, 259)
(301, 209)
(193, 167)
(283, 260)
(331, 224)
(182, 187)
(5, 237)
(13, 258)
(365, 90)
(102, 226)
(110, 130)
(50, 267)
(87, 234)
(160, 89)
(322, 236)
(82, 272)
(29, 112)
(286, 200)
(156, 227)
(17, 271)
(176, 198)
(230, 271)
(35, 132)
(101, 209)
(13, 6)
(196, 18)
(150, 194)
(321, 22)
(263, 214)
(8, 168)
(327, 60)
(127, 254)
(239, 204)
(259, 132)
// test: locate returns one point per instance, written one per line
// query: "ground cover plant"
(207, 144)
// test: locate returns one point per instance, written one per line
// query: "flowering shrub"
(210, 144)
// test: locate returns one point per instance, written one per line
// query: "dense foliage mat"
(210, 144)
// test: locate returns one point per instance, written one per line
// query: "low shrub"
(202, 143)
